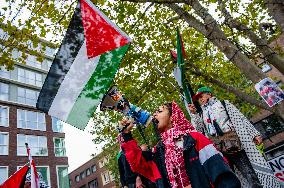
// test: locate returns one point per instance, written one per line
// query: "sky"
(79, 146)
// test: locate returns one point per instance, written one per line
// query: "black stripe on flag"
(72, 42)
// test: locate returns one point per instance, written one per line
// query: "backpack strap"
(224, 105)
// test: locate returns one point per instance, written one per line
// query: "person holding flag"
(210, 116)
(234, 136)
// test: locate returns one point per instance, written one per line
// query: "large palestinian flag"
(84, 66)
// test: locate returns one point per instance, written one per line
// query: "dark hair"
(169, 107)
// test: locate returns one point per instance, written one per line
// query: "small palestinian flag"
(84, 66)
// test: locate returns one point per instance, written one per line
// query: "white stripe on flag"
(177, 75)
(74, 82)
(34, 177)
(207, 152)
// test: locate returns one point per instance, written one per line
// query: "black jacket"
(213, 172)
(126, 175)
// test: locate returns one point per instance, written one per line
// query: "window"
(3, 174)
(4, 143)
(43, 174)
(4, 116)
(88, 172)
(77, 178)
(103, 162)
(29, 77)
(94, 168)
(62, 177)
(59, 147)
(57, 125)
(82, 175)
(31, 60)
(48, 63)
(111, 176)
(37, 144)
(94, 183)
(49, 51)
(105, 177)
(4, 73)
(4, 91)
(27, 96)
(270, 126)
(31, 120)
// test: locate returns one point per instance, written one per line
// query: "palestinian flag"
(179, 74)
(84, 66)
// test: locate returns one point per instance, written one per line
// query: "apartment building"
(21, 122)
(92, 174)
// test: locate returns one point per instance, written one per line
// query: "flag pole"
(34, 175)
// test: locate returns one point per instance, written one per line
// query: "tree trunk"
(213, 33)
(245, 97)
(276, 10)
(261, 44)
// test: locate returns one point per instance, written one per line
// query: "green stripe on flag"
(96, 87)
(180, 62)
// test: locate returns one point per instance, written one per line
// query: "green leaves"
(27, 21)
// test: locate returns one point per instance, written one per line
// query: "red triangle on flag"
(17, 179)
(100, 34)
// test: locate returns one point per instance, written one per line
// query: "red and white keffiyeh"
(174, 154)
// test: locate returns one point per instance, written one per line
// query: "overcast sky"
(79, 146)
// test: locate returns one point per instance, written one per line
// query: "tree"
(24, 25)
(276, 10)
(200, 19)
(215, 48)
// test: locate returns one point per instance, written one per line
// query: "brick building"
(269, 125)
(21, 122)
(92, 174)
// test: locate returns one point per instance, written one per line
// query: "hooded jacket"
(246, 132)
(204, 165)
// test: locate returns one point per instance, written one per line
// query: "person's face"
(162, 115)
(204, 97)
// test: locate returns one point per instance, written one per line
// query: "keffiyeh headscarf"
(173, 153)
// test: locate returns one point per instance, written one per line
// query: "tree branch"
(262, 45)
(231, 89)
(214, 33)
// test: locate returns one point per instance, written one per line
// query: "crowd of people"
(219, 148)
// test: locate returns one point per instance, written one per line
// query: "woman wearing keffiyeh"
(184, 157)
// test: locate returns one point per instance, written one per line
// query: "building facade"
(21, 122)
(92, 174)
(269, 125)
